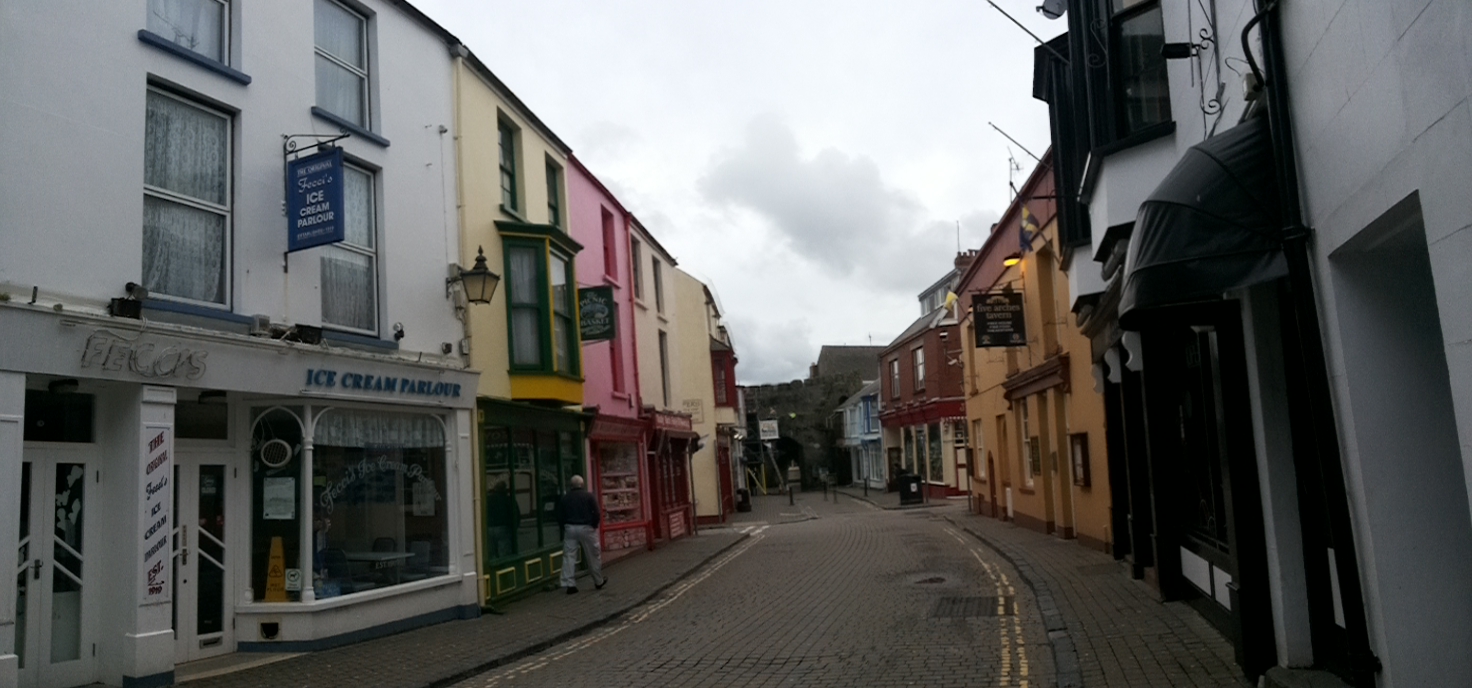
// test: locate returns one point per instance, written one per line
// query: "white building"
(1280, 315)
(197, 409)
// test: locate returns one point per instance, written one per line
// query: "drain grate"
(971, 607)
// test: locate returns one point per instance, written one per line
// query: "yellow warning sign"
(276, 573)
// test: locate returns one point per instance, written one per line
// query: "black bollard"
(789, 495)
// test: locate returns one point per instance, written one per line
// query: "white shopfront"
(163, 485)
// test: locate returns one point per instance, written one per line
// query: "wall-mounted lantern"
(478, 282)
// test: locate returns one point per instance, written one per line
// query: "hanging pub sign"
(998, 319)
(597, 319)
(314, 200)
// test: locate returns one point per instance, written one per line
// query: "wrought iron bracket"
(290, 146)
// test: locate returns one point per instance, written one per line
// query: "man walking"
(579, 515)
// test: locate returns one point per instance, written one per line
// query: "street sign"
(998, 319)
(768, 430)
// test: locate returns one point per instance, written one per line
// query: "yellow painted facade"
(1033, 418)
(694, 385)
(482, 104)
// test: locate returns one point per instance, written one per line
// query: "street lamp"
(478, 282)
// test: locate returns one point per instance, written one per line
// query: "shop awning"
(1210, 227)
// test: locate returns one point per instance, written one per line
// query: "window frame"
(555, 211)
(507, 134)
(664, 367)
(227, 210)
(917, 360)
(570, 318)
(1118, 105)
(371, 252)
(657, 275)
(226, 37)
(610, 245)
(894, 378)
(545, 309)
(365, 72)
(636, 258)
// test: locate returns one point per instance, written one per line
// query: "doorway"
(202, 562)
(55, 610)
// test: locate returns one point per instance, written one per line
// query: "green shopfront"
(527, 455)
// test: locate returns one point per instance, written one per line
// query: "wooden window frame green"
(545, 312)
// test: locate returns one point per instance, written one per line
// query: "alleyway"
(840, 590)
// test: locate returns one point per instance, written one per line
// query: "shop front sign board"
(157, 503)
(999, 319)
(597, 315)
(314, 200)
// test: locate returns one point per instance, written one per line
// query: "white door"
(55, 567)
(202, 615)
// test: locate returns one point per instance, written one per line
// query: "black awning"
(1213, 225)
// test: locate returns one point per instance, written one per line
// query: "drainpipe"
(1304, 305)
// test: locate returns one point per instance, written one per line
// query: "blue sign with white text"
(314, 203)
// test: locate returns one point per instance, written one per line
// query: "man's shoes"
(572, 591)
(599, 586)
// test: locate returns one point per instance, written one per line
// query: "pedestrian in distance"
(579, 516)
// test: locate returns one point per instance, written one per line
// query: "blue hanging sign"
(314, 203)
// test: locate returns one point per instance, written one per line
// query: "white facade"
(79, 181)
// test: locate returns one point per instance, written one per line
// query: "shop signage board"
(767, 430)
(597, 316)
(999, 319)
(314, 200)
(156, 525)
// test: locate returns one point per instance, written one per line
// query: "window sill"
(152, 39)
(354, 340)
(197, 311)
(348, 599)
(621, 396)
(349, 127)
(517, 216)
(612, 282)
(1141, 137)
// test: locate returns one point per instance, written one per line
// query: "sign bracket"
(291, 147)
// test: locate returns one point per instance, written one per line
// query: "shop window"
(380, 514)
(350, 267)
(194, 420)
(199, 26)
(275, 466)
(909, 450)
(58, 417)
(341, 37)
(186, 200)
(937, 464)
(525, 471)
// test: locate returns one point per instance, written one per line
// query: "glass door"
(201, 572)
(54, 596)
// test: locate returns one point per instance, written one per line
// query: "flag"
(1027, 230)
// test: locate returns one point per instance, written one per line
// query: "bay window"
(543, 329)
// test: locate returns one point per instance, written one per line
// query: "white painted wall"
(73, 78)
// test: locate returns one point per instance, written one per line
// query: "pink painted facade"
(616, 441)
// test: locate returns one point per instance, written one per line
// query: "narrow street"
(854, 595)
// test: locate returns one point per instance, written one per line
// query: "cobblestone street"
(820, 594)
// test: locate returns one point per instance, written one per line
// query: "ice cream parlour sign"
(380, 384)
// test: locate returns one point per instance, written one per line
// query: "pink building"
(616, 441)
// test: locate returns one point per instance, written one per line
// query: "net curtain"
(352, 428)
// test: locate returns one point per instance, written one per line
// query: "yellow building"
(698, 334)
(1037, 424)
(513, 207)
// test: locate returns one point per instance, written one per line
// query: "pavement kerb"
(1065, 655)
(902, 507)
(584, 629)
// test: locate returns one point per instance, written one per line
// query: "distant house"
(861, 438)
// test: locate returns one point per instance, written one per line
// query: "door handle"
(184, 548)
(36, 569)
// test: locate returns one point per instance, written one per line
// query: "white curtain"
(526, 341)
(197, 25)
(352, 428)
(340, 90)
(358, 207)
(348, 289)
(184, 245)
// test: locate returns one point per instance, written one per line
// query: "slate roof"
(839, 360)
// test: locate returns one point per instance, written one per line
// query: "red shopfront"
(621, 482)
(668, 452)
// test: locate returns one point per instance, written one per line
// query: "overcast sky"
(808, 159)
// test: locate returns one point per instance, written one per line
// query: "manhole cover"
(971, 607)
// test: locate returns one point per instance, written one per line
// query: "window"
(720, 366)
(350, 267)
(508, 165)
(186, 200)
(936, 470)
(978, 450)
(664, 367)
(616, 363)
(658, 286)
(1141, 89)
(894, 378)
(564, 331)
(525, 471)
(57, 417)
(201, 26)
(554, 195)
(1031, 451)
(919, 355)
(872, 407)
(610, 247)
(636, 257)
(1078, 450)
(540, 309)
(342, 62)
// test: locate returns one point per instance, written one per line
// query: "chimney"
(964, 259)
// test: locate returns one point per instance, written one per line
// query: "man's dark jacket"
(578, 508)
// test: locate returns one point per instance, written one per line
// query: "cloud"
(836, 210)
(771, 352)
